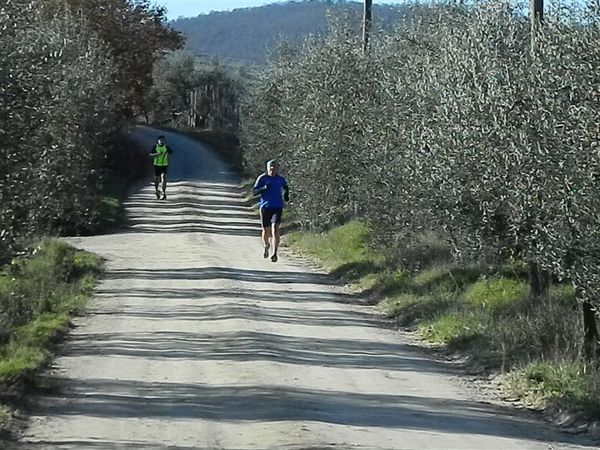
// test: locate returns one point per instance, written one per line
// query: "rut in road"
(193, 340)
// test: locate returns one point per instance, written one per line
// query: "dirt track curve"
(194, 341)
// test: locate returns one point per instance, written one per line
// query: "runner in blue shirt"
(274, 191)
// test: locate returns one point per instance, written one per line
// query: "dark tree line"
(192, 92)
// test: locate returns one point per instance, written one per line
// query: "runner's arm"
(260, 186)
(286, 192)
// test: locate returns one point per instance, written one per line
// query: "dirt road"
(195, 341)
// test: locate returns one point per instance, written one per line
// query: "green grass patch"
(344, 251)
(494, 322)
(496, 293)
(445, 279)
(38, 294)
(427, 295)
(410, 308)
(338, 247)
(566, 385)
(43, 328)
(383, 281)
(85, 267)
(17, 359)
(516, 269)
(454, 327)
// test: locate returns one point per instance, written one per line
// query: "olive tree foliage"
(452, 123)
(519, 138)
(572, 244)
(136, 35)
(263, 125)
(306, 109)
(55, 115)
(524, 151)
(404, 127)
(78, 126)
(68, 77)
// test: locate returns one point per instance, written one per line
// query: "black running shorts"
(269, 216)
(159, 170)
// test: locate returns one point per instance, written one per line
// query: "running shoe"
(266, 252)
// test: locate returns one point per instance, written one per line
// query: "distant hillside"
(247, 34)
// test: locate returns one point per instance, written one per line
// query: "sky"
(191, 8)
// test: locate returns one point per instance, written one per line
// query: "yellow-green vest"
(163, 158)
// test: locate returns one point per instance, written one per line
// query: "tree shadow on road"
(192, 228)
(173, 221)
(101, 398)
(247, 346)
(212, 273)
(242, 295)
(159, 205)
(229, 311)
(193, 208)
(250, 218)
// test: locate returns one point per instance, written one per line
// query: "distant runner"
(273, 190)
(160, 153)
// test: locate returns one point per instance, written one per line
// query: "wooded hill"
(248, 34)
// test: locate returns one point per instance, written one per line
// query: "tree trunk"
(590, 336)
(539, 280)
(367, 23)
(537, 19)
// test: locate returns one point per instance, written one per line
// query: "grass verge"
(566, 385)
(39, 293)
(481, 312)
(344, 251)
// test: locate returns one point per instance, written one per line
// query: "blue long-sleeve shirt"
(273, 190)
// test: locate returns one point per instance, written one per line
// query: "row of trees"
(453, 123)
(70, 72)
(192, 92)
